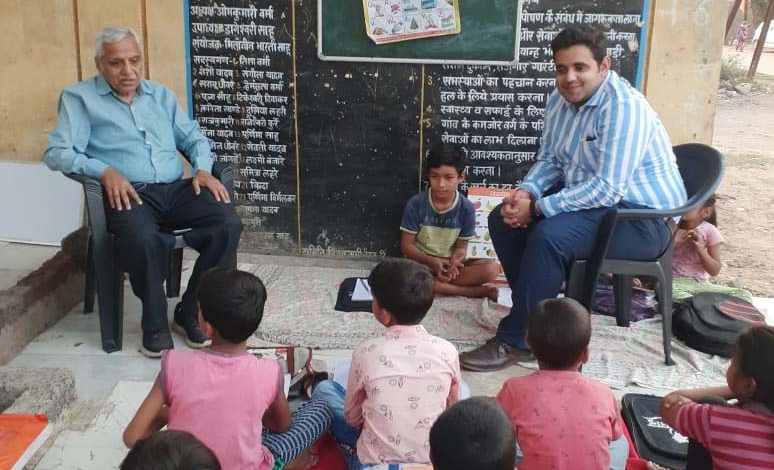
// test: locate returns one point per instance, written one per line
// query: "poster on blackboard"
(389, 21)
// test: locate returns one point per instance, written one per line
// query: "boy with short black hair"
(437, 224)
(398, 383)
(232, 401)
(473, 434)
(578, 413)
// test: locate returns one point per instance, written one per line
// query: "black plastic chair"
(701, 167)
(104, 275)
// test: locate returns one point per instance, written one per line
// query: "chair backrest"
(701, 167)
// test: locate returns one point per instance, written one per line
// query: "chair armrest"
(225, 173)
(95, 205)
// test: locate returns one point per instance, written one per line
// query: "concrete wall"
(683, 67)
(48, 45)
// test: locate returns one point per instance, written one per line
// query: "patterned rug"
(299, 311)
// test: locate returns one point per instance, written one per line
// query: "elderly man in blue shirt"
(606, 147)
(127, 131)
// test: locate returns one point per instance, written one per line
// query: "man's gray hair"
(113, 34)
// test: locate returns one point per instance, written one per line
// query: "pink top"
(564, 420)
(686, 262)
(221, 400)
(398, 385)
(736, 438)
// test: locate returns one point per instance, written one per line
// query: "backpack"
(653, 439)
(712, 322)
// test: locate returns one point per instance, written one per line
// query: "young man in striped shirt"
(605, 146)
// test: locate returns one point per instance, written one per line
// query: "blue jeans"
(537, 259)
(333, 394)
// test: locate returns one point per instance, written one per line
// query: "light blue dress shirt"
(96, 130)
(612, 148)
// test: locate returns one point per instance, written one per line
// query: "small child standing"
(731, 437)
(223, 395)
(398, 383)
(473, 434)
(563, 419)
(437, 224)
(697, 254)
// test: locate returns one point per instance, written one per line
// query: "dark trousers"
(537, 259)
(145, 240)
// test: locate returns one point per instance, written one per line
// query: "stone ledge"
(31, 390)
(38, 301)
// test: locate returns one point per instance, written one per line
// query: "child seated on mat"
(563, 419)
(437, 224)
(231, 400)
(473, 434)
(398, 383)
(170, 450)
(731, 437)
(698, 244)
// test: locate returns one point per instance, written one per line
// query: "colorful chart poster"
(484, 200)
(401, 20)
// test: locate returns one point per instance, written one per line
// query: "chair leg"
(174, 272)
(665, 302)
(110, 295)
(622, 294)
(90, 284)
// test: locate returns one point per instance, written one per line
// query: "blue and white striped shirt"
(612, 148)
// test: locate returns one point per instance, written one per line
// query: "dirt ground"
(744, 132)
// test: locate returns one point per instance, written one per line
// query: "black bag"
(344, 302)
(654, 440)
(712, 322)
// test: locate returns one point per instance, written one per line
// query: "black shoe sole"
(491, 368)
(151, 354)
(177, 328)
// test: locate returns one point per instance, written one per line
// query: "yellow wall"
(48, 45)
(686, 44)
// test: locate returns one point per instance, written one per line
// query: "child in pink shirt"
(398, 383)
(564, 420)
(697, 244)
(229, 399)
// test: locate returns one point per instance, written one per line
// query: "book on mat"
(20, 437)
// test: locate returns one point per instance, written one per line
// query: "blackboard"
(326, 157)
(489, 35)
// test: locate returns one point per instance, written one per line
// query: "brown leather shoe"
(493, 355)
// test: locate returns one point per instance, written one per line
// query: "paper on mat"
(341, 372)
(362, 291)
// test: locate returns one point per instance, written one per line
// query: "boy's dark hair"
(404, 288)
(588, 36)
(710, 202)
(170, 450)
(558, 331)
(232, 302)
(755, 359)
(446, 154)
(473, 433)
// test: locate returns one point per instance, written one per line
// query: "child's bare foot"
(484, 292)
(305, 460)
